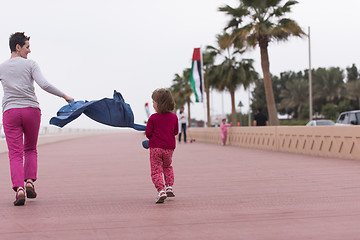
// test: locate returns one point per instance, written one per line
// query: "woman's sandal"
(30, 190)
(20, 198)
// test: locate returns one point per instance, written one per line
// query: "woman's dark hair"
(17, 38)
(164, 99)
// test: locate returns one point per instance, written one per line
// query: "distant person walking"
(22, 115)
(260, 119)
(161, 129)
(223, 127)
(183, 123)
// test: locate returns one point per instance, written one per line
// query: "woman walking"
(21, 114)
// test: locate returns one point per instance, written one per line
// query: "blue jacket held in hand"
(113, 112)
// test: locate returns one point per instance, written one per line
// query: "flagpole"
(249, 116)
(203, 83)
(310, 82)
(222, 103)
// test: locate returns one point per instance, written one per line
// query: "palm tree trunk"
(233, 111)
(299, 112)
(273, 119)
(207, 91)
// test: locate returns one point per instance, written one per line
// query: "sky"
(89, 48)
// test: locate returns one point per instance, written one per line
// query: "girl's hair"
(164, 99)
(17, 38)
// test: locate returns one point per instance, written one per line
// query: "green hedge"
(294, 123)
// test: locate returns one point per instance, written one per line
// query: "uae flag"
(196, 78)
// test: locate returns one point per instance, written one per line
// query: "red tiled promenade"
(99, 187)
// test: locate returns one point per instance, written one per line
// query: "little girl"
(161, 129)
(223, 127)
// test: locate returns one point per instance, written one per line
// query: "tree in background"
(344, 106)
(231, 73)
(295, 95)
(353, 86)
(352, 73)
(258, 94)
(177, 90)
(329, 92)
(329, 111)
(259, 22)
(208, 64)
(181, 90)
(328, 86)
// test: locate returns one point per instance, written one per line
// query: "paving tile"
(99, 187)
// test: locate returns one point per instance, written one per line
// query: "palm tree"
(329, 85)
(208, 63)
(353, 89)
(353, 85)
(295, 95)
(352, 73)
(231, 73)
(181, 90)
(177, 90)
(258, 22)
(187, 90)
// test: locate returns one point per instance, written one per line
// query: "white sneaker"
(169, 191)
(161, 197)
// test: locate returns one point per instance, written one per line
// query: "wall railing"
(326, 141)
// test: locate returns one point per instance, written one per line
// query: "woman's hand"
(68, 98)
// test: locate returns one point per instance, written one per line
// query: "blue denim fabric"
(145, 144)
(113, 112)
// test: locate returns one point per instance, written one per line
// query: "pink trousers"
(21, 127)
(223, 137)
(160, 162)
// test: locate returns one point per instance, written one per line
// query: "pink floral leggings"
(160, 162)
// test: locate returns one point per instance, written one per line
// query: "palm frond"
(272, 3)
(288, 4)
(228, 10)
